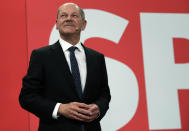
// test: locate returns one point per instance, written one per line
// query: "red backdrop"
(27, 24)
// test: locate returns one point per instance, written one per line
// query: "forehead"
(69, 8)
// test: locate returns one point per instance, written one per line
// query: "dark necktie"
(75, 70)
(76, 74)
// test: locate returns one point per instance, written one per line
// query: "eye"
(75, 16)
(63, 16)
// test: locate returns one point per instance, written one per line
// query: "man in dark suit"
(66, 85)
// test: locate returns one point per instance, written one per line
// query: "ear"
(84, 25)
(56, 25)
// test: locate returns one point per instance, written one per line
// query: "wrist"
(61, 109)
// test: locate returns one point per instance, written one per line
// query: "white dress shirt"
(81, 60)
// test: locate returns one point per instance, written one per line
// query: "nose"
(69, 21)
(69, 17)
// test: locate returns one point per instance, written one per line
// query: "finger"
(83, 105)
(81, 108)
(77, 118)
(91, 119)
(84, 111)
(78, 107)
(83, 116)
(80, 117)
(72, 111)
(93, 107)
(93, 116)
(75, 115)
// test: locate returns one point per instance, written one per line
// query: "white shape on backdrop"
(124, 91)
(100, 24)
(163, 77)
(122, 80)
(104, 25)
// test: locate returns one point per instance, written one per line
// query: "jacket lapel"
(62, 64)
(88, 65)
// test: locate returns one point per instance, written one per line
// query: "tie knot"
(72, 49)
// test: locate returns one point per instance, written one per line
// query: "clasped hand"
(79, 111)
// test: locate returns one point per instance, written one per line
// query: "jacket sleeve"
(31, 95)
(104, 97)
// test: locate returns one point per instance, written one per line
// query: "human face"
(69, 20)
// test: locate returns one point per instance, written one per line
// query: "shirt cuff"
(55, 111)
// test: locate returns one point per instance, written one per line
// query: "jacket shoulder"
(46, 49)
(93, 52)
(42, 53)
(43, 49)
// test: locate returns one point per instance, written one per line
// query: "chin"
(67, 33)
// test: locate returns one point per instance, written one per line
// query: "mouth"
(69, 25)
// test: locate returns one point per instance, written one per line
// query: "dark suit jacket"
(49, 81)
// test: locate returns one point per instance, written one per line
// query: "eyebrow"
(67, 13)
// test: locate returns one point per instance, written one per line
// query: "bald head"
(75, 5)
(70, 22)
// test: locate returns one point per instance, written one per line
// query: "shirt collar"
(65, 45)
